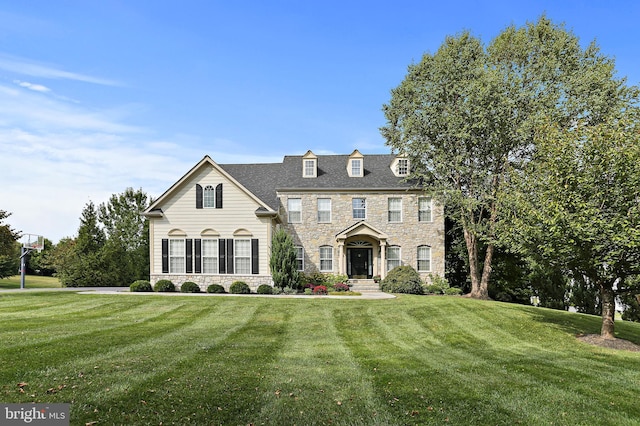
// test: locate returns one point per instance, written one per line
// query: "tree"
(576, 206)
(283, 264)
(466, 116)
(127, 232)
(84, 265)
(9, 249)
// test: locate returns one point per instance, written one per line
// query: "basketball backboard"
(33, 242)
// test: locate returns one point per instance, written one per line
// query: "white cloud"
(31, 86)
(27, 67)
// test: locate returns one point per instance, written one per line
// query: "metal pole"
(22, 266)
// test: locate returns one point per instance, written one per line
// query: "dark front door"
(359, 258)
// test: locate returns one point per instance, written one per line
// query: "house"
(347, 214)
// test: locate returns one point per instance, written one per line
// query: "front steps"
(363, 286)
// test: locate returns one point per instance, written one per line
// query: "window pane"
(208, 197)
(326, 258)
(403, 167)
(424, 209)
(359, 208)
(356, 167)
(395, 209)
(424, 258)
(242, 256)
(209, 256)
(393, 257)
(176, 256)
(300, 258)
(294, 206)
(324, 210)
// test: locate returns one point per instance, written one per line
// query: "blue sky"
(98, 96)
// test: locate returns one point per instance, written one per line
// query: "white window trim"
(237, 257)
(181, 255)
(353, 209)
(329, 249)
(329, 210)
(314, 167)
(209, 197)
(215, 258)
(289, 211)
(389, 211)
(300, 250)
(418, 259)
(399, 259)
(430, 202)
(352, 163)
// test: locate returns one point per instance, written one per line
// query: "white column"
(341, 269)
(383, 259)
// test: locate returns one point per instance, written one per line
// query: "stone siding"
(407, 234)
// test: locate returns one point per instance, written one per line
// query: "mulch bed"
(598, 340)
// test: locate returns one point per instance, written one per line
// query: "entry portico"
(362, 251)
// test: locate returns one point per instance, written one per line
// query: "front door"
(360, 262)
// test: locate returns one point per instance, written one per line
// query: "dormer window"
(400, 166)
(309, 165)
(355, 166)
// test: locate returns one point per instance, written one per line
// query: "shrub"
(341, 287)
(333, 279)
(215, 288)
(402, 279)
(190, 287)
(319, 289)
(239, 287)
(264, 289)
(452, 291)
(140, 285)
(165, 286)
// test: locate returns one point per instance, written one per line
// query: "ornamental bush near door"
(402, 279)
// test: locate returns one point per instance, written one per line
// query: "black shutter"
(222, 263)
(198, 196)
(165, 256)
(198, 268)
(254, 256)
(219, 196)
(230, 256)
(189, 256)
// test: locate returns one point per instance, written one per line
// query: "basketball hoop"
(30, 242)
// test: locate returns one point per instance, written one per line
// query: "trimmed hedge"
(264, 289)
(239, 287)
(140, 286)
(215, 288)
(402, 279)
(189, 287)
(164, 286)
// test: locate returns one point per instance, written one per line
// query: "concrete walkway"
(369, 295)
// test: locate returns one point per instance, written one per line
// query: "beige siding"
(180, 212)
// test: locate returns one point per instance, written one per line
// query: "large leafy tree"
(465, 116)
(127, 232)
(283, 263)
(576, 206)
(9, 249)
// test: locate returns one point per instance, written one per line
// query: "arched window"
(424, 259)
(209, 197)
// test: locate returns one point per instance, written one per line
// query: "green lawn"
(150, 359)
(30, 281)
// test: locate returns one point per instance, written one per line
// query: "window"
(395, 209)
(242, 256)
(424, 209)
(309, 168)
(359, 208)
(326, 259)
(356, 167)
(176, 256)
(209, 196)
(403, 167)
(324, 210)
(424, 258)
(294, 207)
(209, 256)
(300, 258)
(393, 257)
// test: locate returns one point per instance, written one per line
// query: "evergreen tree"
(9, 248)
(283, 263)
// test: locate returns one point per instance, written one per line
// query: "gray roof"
(265, 179)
